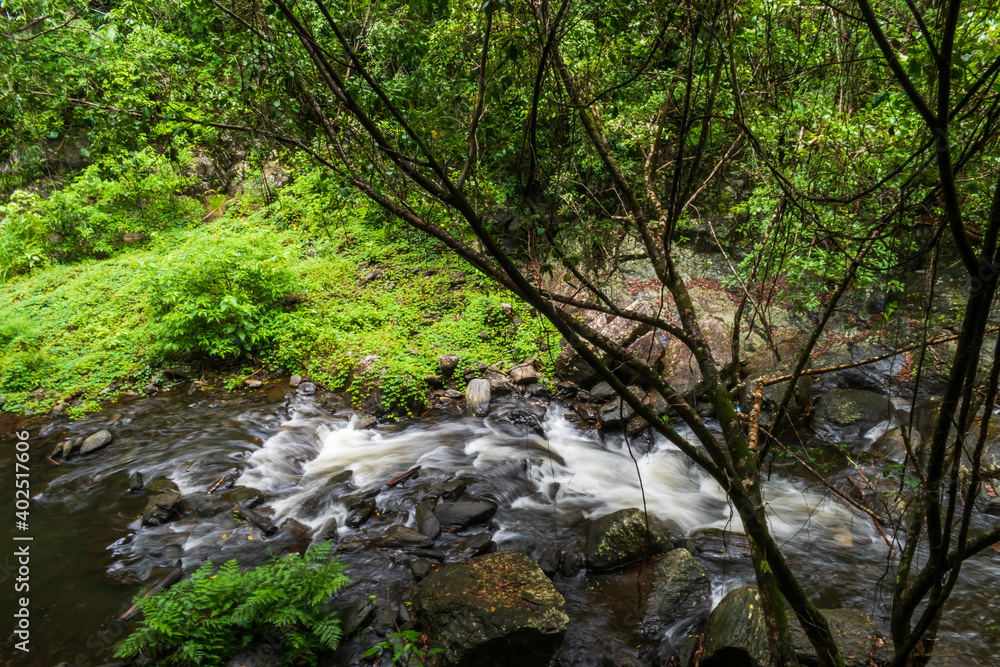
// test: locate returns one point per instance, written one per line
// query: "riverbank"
(255, 287)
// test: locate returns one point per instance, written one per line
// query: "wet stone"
(465, 513)
(160, 484)
(451, 490)
(497, 610)
(549, 560)
(364, 512)
(135, 482)
(160, 508)
(402, 537)
(621, 538)
(245, 496)
(95, 441)
(420, 568)
(427, 523)
(357, 615)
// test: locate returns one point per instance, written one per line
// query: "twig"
(412, 472)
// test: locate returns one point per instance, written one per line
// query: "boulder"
(357, 615)
(736, 635)
(621, 538)
(95, 441)
(892, 446)
(522, 420)
(402, 537)
(849, 412)
(623, 331)
(160, 508)
(853, 633)
(680, 585)
(497, 610)
(477, 397)
(465, 513)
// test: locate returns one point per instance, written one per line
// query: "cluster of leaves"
(207, 619)
(402, 648)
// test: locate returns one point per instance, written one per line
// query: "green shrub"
(221, 295)
(23, 234)
(207, 619)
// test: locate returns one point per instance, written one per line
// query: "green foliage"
(122, 199)
(220, 295)
(207, 619)
(402, 648)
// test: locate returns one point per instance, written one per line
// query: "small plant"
(207, 619)
(407, 647)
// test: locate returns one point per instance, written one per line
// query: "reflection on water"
(90, 554)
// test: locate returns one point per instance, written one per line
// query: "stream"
(90, 554)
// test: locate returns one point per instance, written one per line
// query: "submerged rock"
(497, 610)
(621, 538)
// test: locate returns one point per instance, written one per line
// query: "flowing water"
(90, 554)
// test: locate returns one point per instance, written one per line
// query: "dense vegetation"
(821, 147)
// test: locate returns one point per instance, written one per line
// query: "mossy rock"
(621, 538)
(497, 610)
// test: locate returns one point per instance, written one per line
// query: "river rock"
(161, 484)
(892, 446)
(849, 412)
(160, 508)
(736, 635)
(465, 513)
(253, 384)
(328, 531)
(523, 421)
(450, 490)
(500, 382)
(473, 545)
(680, 585)
(602, 392)
(96, 441)
(549, 560)
(621, 538)
(420, 568)
(618, 411)
(427, 523)
(307, 389)
(295, 380)
(524, 374)
(447, 363)
(497, 610)
(244, 495)
(135, 482)
(360, 515)
(357, 615)
(403, 537)
(853, 633)
(477, 397)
